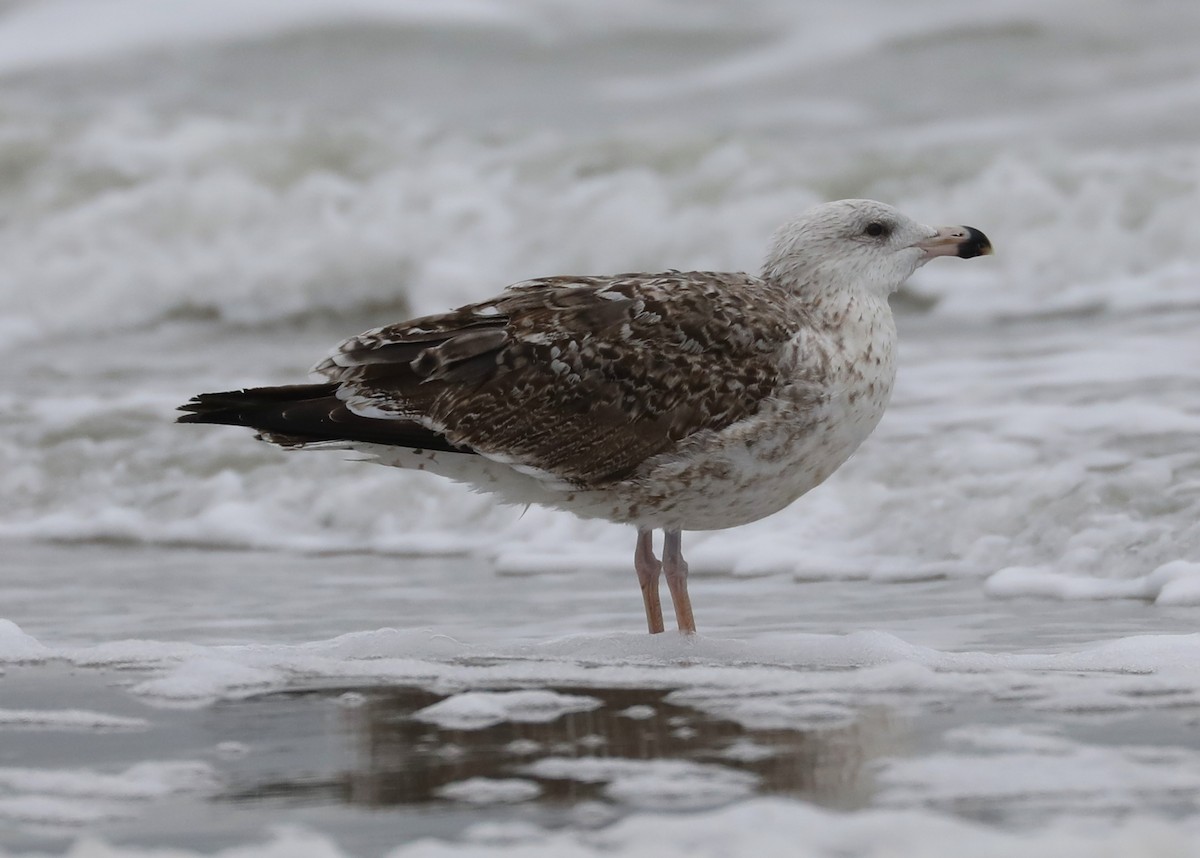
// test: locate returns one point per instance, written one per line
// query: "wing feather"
(581, 378)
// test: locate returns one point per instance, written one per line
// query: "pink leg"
(648, 567)
(676, 570)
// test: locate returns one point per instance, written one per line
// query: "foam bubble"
(490, 790)
(1174, 583)
(68, 720)
(659, 784)
(72, 797)
(474, 710)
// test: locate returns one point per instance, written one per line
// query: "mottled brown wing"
(580, 378)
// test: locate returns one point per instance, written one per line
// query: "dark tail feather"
(241, 407)
(306, 413)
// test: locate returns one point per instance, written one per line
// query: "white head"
(861, 244)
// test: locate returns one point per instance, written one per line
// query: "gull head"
(861, 245)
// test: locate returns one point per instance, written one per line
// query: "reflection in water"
(397, 760)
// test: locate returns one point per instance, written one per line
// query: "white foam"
(1174, 583)
(52, 811)
(523, 747)
(16, 646)
(782, 681)
(360, 249)
(86, 796)
(490, 790)
(142, 781)
(744, 750)
(1045, 774)
(203, 678)
(475, 710)
(68, 720)
(284, 842)
(638, 712)
(659, 784)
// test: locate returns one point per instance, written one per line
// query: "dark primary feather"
(305, 413)
(583, 378)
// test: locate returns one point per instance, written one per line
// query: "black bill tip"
(975, 244)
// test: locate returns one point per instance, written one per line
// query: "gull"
(673, 401)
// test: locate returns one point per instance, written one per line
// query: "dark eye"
(875, 229)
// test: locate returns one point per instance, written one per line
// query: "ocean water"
(202, 196)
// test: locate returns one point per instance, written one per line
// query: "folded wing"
(582, 379)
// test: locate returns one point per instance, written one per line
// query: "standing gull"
(676, 401)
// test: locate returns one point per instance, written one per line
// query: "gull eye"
(875, 229)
